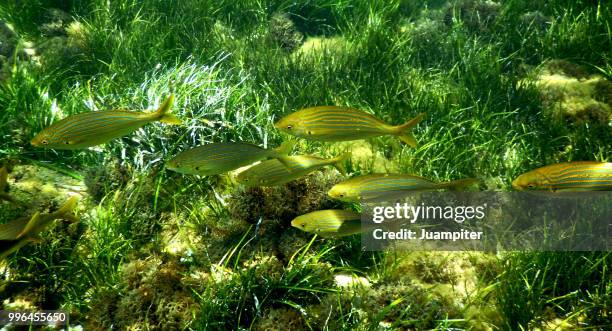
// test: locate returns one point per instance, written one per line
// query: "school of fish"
(275, 166)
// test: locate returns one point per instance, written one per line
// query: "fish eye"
(44, 141)
(309, 132)
(67, 142)
(341, 195)
(530, 185)
(197, 168)
(289, 127)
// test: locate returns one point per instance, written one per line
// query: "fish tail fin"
(163, 112)
(282, 152)
(30, 225)
(65, 211)
(402, 130)
(338, 162)
(460, 184)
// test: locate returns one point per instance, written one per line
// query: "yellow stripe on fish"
(331, 222)
(567, 177)
(377, 185)
(273, 172)
(218, 158)
(332, 123)
(97, 127)
(18, 233)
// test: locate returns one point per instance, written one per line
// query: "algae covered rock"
(291, 241)
(40, 189)
(402, 305)
(283, 202)
(536, 19)
(277, 318)
(432, 271)
(426, 31)
(151, 294)
(459, 270)
(323, 46)
(283, 32)
(476, 15)
(8, 40)
(56, 21)
(103, 179)
(8, 43)
(371, 155)
(418, 291)
(64, 40)
(58, 50)
(571, 95)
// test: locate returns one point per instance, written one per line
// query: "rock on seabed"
(571, 95)
(39, 189)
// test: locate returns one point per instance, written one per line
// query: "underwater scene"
(207, 165)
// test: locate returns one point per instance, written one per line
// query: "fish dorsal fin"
(30, 225)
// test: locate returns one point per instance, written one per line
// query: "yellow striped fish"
(378, 185)
(97, 127)
(328, 223)
(273, 172)
(3, 185)
(218, 158)
(567, 177)
(18, 233)
(331, 123)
